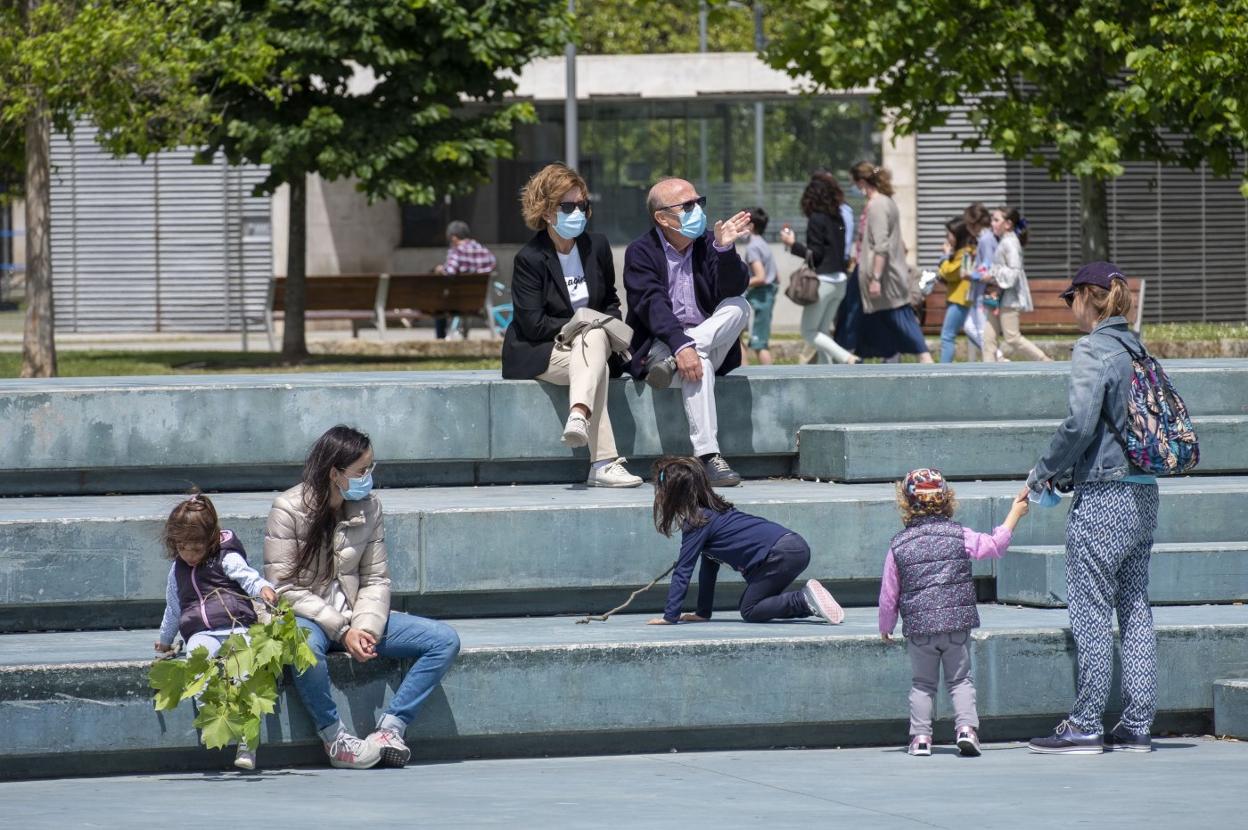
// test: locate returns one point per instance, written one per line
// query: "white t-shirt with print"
(574, 278)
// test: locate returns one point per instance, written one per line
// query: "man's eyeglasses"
(687, 206)
(570, 207)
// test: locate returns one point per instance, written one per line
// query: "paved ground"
(1188, 782)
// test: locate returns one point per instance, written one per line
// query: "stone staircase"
(489, 527)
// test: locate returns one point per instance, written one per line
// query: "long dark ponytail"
(337, 449)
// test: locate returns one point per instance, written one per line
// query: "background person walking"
(1007, 274)
(825, 250)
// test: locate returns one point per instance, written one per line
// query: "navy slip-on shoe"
(1068, 740)
(1120, 740)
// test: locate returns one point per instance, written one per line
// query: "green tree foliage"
(1078, 86)
(113, 62)
(385, 92)
(238, 686)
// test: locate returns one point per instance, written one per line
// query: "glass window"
(627, 144)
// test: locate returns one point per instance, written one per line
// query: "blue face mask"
(693, 222)
(570, 225)
(1047, 497)
(358, 488)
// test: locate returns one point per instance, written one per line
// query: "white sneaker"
(576, 430)
(394, 750)
(612, 475)
(349, 752)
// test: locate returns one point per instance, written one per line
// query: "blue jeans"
(434, 645)
(955, 319)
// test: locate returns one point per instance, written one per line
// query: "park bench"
(376, 299)
(1051, 315)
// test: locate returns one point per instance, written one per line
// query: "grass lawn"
(110, 363)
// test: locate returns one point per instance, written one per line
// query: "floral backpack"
(1160, 438)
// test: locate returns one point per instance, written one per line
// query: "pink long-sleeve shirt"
(978, 546)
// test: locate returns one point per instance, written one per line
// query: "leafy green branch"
(238, 687)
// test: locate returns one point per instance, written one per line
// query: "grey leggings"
(928, 652)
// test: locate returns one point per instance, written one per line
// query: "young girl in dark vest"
(208, 594)
(769, 556)
(927, 577)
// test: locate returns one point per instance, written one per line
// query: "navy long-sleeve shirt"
(736, 539)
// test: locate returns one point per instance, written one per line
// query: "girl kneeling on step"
(208, 594)
(927, 577)
(769, 556)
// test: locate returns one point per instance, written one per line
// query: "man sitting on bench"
(464, 255)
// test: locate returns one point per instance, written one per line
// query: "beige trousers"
(1004, 327)
(583, 369)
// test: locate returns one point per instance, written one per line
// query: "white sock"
(606, 462)
(392, 723)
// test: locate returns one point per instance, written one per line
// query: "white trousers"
(713, 338)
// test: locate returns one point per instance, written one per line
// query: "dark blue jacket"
(716, 277)
(737, 539)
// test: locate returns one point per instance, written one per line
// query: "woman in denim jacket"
(1109, 532)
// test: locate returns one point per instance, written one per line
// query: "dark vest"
(934, 570)
(210, 600)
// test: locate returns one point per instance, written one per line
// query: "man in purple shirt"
(684, 286)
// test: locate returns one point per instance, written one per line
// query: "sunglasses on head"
(569, 207)
(687, 206)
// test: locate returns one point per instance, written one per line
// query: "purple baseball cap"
(1100, 274)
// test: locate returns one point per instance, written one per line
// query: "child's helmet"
(925, 485)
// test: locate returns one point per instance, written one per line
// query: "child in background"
(927, 577)
(955, 271)
(763, 285)
(207, 596)
(769, 556)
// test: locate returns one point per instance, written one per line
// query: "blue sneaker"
(1068, 740)
(1120, 740)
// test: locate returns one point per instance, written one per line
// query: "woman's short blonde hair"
(540, 196)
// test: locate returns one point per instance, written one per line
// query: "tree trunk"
(38, 341)
(1093, 219)
(294, 341)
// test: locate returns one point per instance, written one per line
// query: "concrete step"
(250, 432)
(79, 703)
(1230, 708)
(95, 562)
(978, 449)
(1184, 573)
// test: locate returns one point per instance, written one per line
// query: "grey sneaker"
(393, 749)
(821, 603)
(349, 752)
(575, 430)
(660, 366)
(720, 474)
(1120, 740)
(244, 758)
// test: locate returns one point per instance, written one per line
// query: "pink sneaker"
(920, 745)
(394, 750)
(821, 603)
(968, 741)
(349, 752)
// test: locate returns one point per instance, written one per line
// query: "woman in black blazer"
(560, 270)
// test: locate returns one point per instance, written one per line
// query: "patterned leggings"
(1109, 538)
